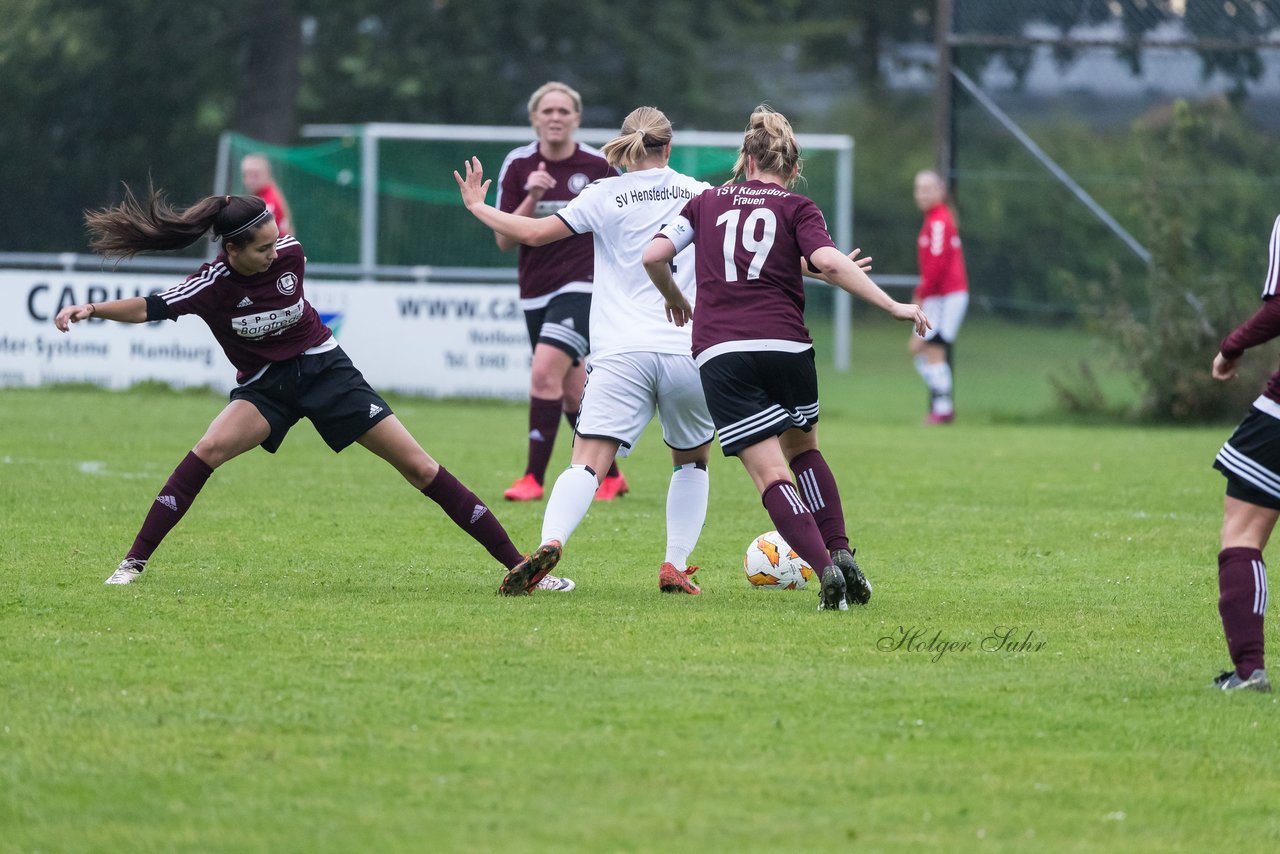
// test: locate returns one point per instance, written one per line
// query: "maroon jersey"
(1265, 323)
(546, 270)
(749, 239)
(256, 319)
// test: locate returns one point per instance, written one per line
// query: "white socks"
(570, 500)
(575, 489)
(938, 378)
(686, 511)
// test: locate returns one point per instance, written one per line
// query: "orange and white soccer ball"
(770, 562)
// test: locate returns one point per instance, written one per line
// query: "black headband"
(253, 223)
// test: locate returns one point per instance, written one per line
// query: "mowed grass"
(316, 660)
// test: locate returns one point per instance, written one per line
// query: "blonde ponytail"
(644, 131)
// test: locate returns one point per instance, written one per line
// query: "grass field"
(316, 660)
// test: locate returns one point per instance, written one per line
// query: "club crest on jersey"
(577, 181)
(287, 284)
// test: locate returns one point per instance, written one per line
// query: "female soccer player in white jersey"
(753, 240)
(639, 363)
(288, 364)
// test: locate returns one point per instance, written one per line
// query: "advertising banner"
(438, 340)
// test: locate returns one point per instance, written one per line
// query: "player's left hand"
(473, 188)
(915, 314)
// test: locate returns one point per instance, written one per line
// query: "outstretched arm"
(845, 274)
(657, 263)
(131, 310)
(863, 263)
(520, 229)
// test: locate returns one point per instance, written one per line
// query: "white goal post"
(371, 135)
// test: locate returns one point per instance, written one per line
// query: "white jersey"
(628, 314)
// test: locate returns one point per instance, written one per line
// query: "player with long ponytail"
(288, 363)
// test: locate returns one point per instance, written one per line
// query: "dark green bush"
(1166, 333)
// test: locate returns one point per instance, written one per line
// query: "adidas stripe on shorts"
(755, 395)
(564, 323)
(325, 387)
(1250, 459)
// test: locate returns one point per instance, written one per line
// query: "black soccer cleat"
(831, 595)
(857, 588)
(524, 576)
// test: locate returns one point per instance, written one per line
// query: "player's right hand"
(473, 188)
(680, 312)
(539, 181)
(71, 314)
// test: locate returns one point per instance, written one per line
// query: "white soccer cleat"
(127, 572)
(554, 584)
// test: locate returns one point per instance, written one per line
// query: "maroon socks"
(817, 485)
(795, 523)
(179, 491)
(471, 515)
(1242, 602)
(544, 421)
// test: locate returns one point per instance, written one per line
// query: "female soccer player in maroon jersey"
(555, 280)
(754, 241)
(1250, 460)
(288, 364)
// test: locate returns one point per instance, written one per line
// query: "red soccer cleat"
(936, 418)
(612, 487)
(526, 488)
(672, 580)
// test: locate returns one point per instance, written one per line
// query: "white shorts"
(945, 313)
(624, 389)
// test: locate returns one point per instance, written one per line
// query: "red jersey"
(940, 257)
(748, 241)
(566, 265)
(275, 203)
(1265, 323)
(256, 319)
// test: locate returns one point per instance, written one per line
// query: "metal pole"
(944, 93)
(368, 200)
(842, 303)
(221, 181)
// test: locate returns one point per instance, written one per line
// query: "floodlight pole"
(944, 94)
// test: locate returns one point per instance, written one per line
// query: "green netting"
(421, 220)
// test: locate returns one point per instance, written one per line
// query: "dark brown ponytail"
(130, 227)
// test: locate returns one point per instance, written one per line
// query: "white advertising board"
(435, 340)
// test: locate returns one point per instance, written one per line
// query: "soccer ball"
(770, 562)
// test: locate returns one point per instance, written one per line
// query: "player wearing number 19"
(753, 242)
(639, 363)
(288, 364)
